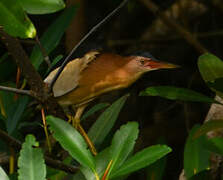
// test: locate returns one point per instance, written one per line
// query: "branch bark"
(56, 164)
(38, 88)
(22, 60)
(17, 91)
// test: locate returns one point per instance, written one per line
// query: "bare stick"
(17, 91)
(83, 39)
(49, 161)
(43, 51)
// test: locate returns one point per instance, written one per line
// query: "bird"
(96, 73)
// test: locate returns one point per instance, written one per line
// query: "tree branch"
(178, 28)
(38, 88)
(22, 60)
(49, 161)
(17, 91)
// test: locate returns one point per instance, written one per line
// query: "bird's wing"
(69, 78)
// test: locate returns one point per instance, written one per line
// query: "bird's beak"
(153, 64)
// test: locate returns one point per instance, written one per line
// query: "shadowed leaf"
(211, 69)
(196, 157)
(174, 93)
(42, 6)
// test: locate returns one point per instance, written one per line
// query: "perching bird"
(84, 79)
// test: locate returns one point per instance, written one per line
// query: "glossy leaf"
(94, 109)
(208, 126)
(31, 163)
(52, 36)
(211, 69)
(71, 141)
(174, 93)
(122, 144)
(141, 159)
(15, 112)
(3, 175)
(196, 157)
(14, 21)
(101, 160)
(106, 121)
(42, 6)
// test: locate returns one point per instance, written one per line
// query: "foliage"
(116, 160)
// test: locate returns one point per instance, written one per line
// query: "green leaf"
(72, 141)
(215, 145)
(208, 126)
(101, 160)
(52, 36)
(122, 144)
(174, 93)
(14, 20)
(211, 68)
(156, 170)
(42, 6)
(31, 163)
(141, 159)
(106, 121)
(15, 112)
(3, 175)
(94, 109)
(196, 157)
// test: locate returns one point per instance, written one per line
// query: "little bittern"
(86, 78)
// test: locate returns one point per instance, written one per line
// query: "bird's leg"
(77, 125)
(77, 117)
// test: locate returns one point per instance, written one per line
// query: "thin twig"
(17, 91)
(178, 28)
(43, 51)
(49, 161)
(96, 27)
(45, 129)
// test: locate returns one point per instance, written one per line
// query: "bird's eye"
(142, 62)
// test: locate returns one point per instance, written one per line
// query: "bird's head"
(142, 64)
